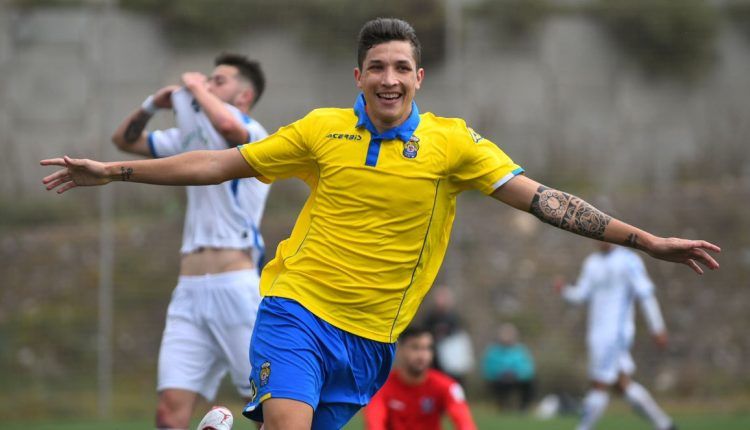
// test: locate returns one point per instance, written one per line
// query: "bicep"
(518, 192)
(233, 164)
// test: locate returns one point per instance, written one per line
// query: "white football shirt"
(611, 282)
(226, 215)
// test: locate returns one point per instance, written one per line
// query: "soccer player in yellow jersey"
(371, 237)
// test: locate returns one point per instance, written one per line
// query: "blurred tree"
(326, 25)
(514, 19)
(668, 37)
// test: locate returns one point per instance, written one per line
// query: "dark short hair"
(248, 69)
(414, 330)
(382, 30)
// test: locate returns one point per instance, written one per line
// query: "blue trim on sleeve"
(403, 132)
(151, 145)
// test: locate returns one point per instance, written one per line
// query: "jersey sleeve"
(165, 143)
(457, 408)
(477, 162)
(283, 154)
(376, 413)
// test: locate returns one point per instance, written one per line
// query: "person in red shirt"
(415, 397)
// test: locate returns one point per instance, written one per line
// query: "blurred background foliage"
(331, 24)
(665, 37)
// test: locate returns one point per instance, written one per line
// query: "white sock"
(640, 399)
(594, 405)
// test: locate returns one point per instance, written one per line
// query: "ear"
(357, 76)
(246, 98)
(420, 76)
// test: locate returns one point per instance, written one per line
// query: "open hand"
(688, 252)
(76, 172)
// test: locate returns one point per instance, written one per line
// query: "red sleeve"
(376, 413)
(457, 408)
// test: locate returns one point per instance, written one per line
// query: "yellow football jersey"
(370, 239)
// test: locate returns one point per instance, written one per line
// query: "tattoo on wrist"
(125, 173)
(569, 212)
(632, 241)
(136, 126)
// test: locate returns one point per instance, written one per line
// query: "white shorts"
(608, 360)
(209, 323)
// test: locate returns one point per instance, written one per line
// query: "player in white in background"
(212, 312)
(611, 281)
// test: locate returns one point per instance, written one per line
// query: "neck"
(381, 126)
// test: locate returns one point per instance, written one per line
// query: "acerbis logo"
(344, 136)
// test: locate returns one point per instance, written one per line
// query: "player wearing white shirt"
(212, 312)
(611, 281)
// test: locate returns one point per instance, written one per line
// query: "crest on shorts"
(265, 373)
(411, 147)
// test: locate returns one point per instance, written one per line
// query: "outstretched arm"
(190, 168)
(571, 213)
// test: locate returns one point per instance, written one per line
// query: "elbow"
(118, 140)
(231, 131)
(226, 126)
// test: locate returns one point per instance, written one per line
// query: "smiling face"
(389, 79)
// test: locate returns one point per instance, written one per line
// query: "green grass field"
(486, 417)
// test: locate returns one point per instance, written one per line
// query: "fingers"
(60, 174)
(66, 187)
(52, 162)
(705, 258)
(693, 265)
(708, 245)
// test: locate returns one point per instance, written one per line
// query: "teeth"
(389, 96)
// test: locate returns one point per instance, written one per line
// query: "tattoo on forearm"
(136, 126)
(568, 212)
(632, 241)
(125, 173)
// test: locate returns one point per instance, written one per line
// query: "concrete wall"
(565, 104)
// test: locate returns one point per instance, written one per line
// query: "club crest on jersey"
(427, 404)
(265, 373)
(474, 135)
(411, 147)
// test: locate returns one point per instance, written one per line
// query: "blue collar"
(403, 132)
